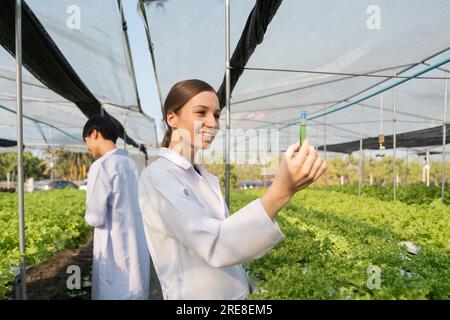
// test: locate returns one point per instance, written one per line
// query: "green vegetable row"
(340, 246)
(337, 245)
(411, 194)
(54, 221)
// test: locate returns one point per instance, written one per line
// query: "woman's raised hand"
(300, 166)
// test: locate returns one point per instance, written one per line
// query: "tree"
(33, 167)
(71, 165)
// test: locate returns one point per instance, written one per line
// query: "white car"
(83, 186)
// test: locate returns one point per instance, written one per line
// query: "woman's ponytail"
(167, 137)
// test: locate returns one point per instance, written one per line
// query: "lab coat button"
(186, 191)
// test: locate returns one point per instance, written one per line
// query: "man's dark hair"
(102, 124)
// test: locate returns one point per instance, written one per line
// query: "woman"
(196, 246)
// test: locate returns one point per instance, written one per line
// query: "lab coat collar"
(174, 157)
(110, 152)
(182, 162)
(120, 151)
(116, 150)
(212, 180)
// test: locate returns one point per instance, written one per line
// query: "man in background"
(121, 261)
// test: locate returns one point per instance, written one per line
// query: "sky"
(148, 93)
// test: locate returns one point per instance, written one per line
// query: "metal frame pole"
(444, 137)
(128, 47)
(381, 113)
(427, 171)
(52, 172)
(360, 152)
(394, 124)
(156, 136)
(227, 102)
(152, 53)
(325, 149)
(52, 155)
(406, 171)
(20, 167)
(124, 132)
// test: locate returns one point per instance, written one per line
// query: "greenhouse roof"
(70, 73)
(311, 56)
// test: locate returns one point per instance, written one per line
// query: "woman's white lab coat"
(196, 246)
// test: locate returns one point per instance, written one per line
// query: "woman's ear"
(172, 119)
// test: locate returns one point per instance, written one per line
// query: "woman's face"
(197, 122)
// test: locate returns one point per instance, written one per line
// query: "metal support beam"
(128, 47)
(20, 167)
(325, 149)
(152, 53)
(406, 171)
(227, 102)
(360, 180)
(427, 171)
(124, 131)
(394, 149)
(444, 134)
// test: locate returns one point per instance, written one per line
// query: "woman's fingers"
(292, 149)
(309, 162)
(302, 155)
(321, 170)
(316, 166)
(303, 165)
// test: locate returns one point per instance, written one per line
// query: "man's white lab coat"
(196, 246)
(121, 261)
